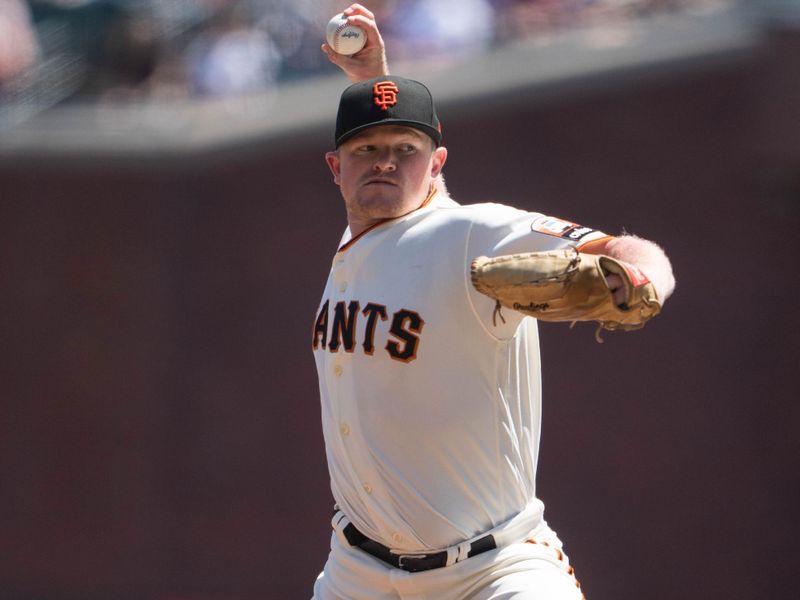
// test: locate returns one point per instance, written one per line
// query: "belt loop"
(463, 551)
(452, 556)
(339, 520)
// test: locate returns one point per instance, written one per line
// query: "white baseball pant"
(531, 568)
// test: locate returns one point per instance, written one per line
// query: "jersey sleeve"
(532, 232)
(498, 230)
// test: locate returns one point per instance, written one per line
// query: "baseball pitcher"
(426, 347)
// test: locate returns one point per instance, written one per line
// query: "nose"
(385, 162)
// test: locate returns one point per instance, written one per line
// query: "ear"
(438, 159)
(332, 158)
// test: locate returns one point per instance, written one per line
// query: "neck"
(359, 225)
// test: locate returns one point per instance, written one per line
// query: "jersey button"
(345, 429)
(338, 370)
(343, 286)
(367, 488)
(397, 538)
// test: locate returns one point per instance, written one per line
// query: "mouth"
(379, 181)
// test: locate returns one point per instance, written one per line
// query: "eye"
(407, 148)
(365, 149)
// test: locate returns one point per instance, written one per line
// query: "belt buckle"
(403, 557)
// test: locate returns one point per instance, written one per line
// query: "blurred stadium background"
(166, 222)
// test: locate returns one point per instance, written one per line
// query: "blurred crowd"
(60, 51)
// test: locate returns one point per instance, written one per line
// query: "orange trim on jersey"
(604, 240)
(352, 241)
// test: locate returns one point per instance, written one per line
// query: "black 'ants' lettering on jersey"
(372, 311)
(405, 327)
(343, 331)
(398, 329)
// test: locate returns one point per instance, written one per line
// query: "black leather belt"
(411, 562)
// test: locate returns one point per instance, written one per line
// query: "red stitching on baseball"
(336, 34)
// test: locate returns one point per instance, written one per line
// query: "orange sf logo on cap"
(385, 94)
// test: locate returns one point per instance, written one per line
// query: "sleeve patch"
(560, 228)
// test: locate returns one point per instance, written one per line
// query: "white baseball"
(343, 38)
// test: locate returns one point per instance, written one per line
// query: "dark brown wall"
(160, 431)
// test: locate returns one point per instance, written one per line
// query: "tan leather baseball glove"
(566, 285)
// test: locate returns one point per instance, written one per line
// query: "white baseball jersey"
(430, 410)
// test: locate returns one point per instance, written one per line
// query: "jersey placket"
(338, 366)
(341, 387)
(364, 478)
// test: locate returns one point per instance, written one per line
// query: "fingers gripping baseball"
(368, 62)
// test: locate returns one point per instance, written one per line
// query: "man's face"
(385, 171)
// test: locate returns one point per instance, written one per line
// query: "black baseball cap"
(386, 100)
